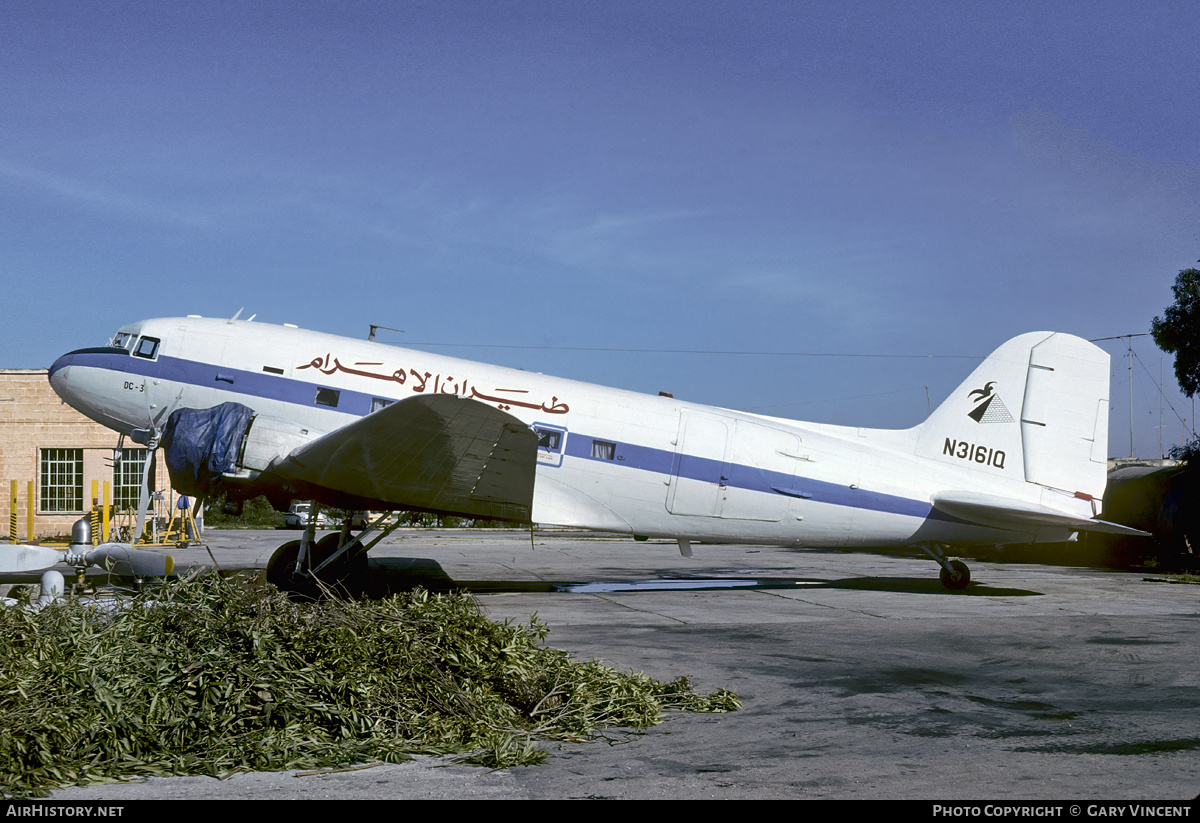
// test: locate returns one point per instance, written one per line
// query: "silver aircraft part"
(22, 557)
(119, 558)
(122, 560)
(949, 567)
(53, 587)
(269, 439)
(346, 543)
(308, 539)
(144, 493)
(935, 551)
(81, 533)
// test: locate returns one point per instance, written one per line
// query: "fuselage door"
(761, 473)
(700, 468)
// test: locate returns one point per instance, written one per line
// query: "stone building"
(60, 462)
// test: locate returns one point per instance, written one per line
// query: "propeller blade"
(149, 436)
(144, 493)
(15, 559)
(122, 560)
(117, 558)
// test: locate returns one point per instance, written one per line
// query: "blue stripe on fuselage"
(751, 478)
(578, 445)
(238, 381)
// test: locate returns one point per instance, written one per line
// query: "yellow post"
(94, 514)
(12, 516)
(29, 509)
(104, 514)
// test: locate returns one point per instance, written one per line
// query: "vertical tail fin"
(1035, 411)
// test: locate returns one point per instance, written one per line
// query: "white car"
(297, 517)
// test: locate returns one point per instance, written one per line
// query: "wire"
(705, 351)
(1161, 394)
(833, 399)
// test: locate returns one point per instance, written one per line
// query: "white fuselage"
(609, 459)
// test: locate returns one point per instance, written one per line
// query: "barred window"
(127, 477)
(62, 480)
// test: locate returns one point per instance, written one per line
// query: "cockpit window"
(551, 440)
(123, 340)
(147, 347)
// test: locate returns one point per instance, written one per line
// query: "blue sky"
(849, 178)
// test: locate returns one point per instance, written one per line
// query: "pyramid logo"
(989, 408)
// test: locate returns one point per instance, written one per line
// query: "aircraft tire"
(344, 574)
(347, 571)
(960, 579)
(279, 568)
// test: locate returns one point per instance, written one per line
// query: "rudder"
(1064, 419)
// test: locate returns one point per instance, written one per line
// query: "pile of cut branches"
(215, 675)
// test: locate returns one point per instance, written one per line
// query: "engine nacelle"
(268, 439)
(226, 446)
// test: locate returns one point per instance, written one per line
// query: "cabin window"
(61, 484)
(147, 347)
(272, 370)
(549, 439)
(378, 403)
(602, 450)
(328, 397)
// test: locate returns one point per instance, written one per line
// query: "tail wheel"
(959, 578)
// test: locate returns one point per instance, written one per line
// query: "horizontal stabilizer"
(1003, 513)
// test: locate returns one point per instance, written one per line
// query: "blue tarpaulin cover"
(201, 444)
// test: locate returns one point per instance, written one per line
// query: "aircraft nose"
(60, 374)
(84, 379)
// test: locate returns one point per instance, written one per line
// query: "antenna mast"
(374, 328)
(1128, 338)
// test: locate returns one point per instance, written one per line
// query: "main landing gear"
(327, 563)
(955, 575)
(337, 562)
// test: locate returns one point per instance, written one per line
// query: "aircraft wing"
(1004, 513)
(437, 452)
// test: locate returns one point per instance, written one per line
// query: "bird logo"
(989, 408)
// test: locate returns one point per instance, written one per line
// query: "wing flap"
(438, 452)
(1003, 513)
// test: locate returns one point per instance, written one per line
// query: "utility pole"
(1128, 338)
(1129, 343)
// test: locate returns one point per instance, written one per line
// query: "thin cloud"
(96, 198)
(1126, 185)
